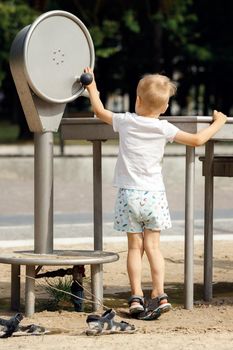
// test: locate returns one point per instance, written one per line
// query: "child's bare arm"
(98, 108)
(202, 136)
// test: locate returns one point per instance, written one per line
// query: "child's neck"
(148, 114)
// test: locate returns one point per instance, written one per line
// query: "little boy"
(141, 208)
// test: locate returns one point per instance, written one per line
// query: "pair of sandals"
(105, 324)
(148, 310)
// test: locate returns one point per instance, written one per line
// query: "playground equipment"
(97, 131)
(47, 60)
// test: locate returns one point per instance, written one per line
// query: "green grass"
(59, 289)
(8, 132)
(9, 135)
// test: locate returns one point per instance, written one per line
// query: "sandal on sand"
(138, 304)
(31, 329)
(11, 325)
(105, 324)
(155, 307)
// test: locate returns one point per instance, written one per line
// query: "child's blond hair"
(155, 91)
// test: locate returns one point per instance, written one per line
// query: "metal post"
(97, 270)
(97, 196)
(43, 201)
(208, 223)
(30, 290)
(15, 287)
(189, 226)
(97, 286)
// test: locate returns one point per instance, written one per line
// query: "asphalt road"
(73, 204)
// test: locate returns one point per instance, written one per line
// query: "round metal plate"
(59, 257)
(57, 48)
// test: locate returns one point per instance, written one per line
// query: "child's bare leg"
(156, 261)
(134, 261)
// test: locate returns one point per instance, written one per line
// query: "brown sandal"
(155, 307)
(138, 307)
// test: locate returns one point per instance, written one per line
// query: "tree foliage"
(14, 16)
(191, 41)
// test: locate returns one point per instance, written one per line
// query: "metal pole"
(97, 286)
(15, 287)
(208, 223)
(30, 290)
(97, 196)
(43, 187)
(97, 270)
(189, 226)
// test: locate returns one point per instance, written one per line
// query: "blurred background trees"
(190, 41)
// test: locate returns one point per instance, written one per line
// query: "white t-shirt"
(141, 149)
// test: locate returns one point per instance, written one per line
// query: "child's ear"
(138, 100)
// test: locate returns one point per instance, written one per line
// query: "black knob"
(86, 79)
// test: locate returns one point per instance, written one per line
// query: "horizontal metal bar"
(172, 119)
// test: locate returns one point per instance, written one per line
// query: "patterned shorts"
(136, 210)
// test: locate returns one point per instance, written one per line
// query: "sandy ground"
(206, 326)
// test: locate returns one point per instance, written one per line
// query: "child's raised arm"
(202, 136)
(98, 108)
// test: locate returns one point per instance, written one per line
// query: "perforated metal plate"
(57, 48)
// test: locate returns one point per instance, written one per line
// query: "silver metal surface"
(86, 129)
(30, 291)
(97, 286)
(45, 59)
(189, 226)
(95, 129)
(52, 65)
(208, 221)
(59, 257)
(97, 195)
(43, 193)
(15, 287)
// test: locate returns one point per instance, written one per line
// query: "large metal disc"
(57, 48)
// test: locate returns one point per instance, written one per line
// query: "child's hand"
(92, 84)
(219, 116)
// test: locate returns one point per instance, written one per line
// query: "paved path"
(73, 193)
